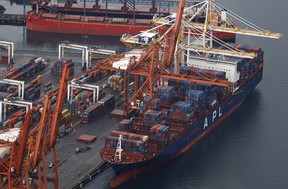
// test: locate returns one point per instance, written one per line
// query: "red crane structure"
(28, 151)
(11, 164)
(155, 65)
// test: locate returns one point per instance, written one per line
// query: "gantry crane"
(28, 151)
(164, 55)
(11, 164)
(47, 132)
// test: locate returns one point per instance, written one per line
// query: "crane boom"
(266, 34)
(42, 126)
(24, 140)
(62, 92)
(176, 31)
(241, 54)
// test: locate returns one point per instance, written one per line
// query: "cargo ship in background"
(94, 20)
(180, 106)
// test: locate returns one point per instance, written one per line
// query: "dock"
(12, 19)
(75, 169)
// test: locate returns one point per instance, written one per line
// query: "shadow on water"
(193, 160)
(52, 39)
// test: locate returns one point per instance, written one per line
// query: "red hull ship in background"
(70, 19)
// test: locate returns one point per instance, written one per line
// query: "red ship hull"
(51, 25)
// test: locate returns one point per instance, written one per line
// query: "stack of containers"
(182, 110)
(58, 67)
(134, 143)
(76, 108)
(47, 87)
(65, 119)
(197, 98)
(104, 105)
(125, 125)
(152, 117)
(151, 103)
(85, 96)
(210, 93)
(40, 102)
(127, 135)
(109, 102)
(27, 70)
(159, 135)
(135, 146)
(111, 142)
(116, 82)
(32, 90)
(143, 106)
(158, 130)
(16, 120)
(166, 93)
(129, 145)
(181, 87)
(92, 112)
(248, 67)
(155, 104)
(183, 107)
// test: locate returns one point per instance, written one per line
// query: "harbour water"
(250, 148)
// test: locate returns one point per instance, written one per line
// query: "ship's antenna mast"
(117, 156)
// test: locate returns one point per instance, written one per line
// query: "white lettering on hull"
(215, 114)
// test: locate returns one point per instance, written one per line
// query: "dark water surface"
(250, 148)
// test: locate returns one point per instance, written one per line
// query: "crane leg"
(44, 168)
(55, 168)
(27, 180)
(40, 185)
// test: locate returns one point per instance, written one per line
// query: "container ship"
(71, 19)
(183, 107)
